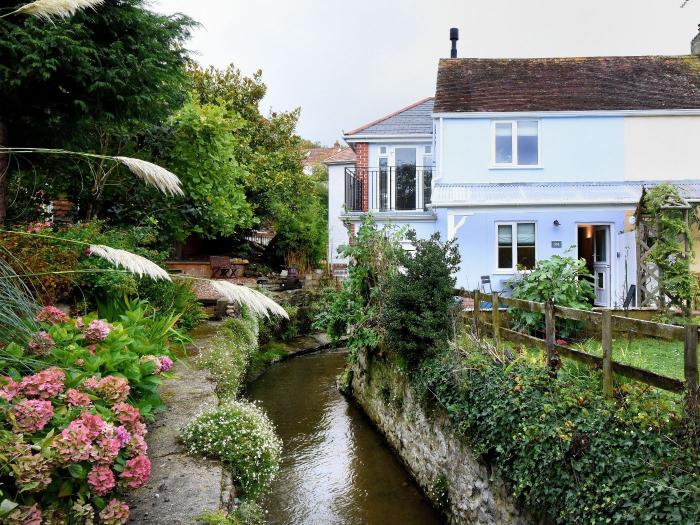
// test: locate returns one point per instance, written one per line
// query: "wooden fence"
(607, 323)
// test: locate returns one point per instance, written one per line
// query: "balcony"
(400, 188)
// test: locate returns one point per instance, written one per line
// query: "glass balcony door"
(405, 182)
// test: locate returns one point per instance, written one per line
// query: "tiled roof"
(548, 194)
(344, 156)
(568, 84)
(317, 155)
(416, 119)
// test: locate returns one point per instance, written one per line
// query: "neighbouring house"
(316, 156)
(523, 159)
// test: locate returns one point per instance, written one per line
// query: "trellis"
(650, 292)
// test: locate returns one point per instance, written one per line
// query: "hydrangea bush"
(240, 435)
(72, 434)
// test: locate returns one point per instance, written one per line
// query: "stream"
(336, 468)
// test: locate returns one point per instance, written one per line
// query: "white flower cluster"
(240, 435)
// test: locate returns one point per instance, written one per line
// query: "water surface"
(336, 469)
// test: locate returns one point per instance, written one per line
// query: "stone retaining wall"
(429, 449)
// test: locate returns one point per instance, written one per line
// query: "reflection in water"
(336, 469)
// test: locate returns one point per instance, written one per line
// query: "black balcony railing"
(388, 189)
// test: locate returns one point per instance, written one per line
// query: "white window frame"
(514, 144)
(514, 247)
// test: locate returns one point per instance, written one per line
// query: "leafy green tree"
(270, 152)
(89, 82)
(197, 145)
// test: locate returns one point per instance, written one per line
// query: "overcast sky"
(352, 61)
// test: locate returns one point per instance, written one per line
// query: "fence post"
(477, 311)
(606, 335)
(550, 334)
(690, 367)
(496, 320)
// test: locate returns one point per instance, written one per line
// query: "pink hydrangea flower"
(94, 424)
(136, 446)
(9, 389)
(32, 415)
(44, 385)
(101, 480)
(137, 472)
(165, 363)
(91, 383)
(126, 414)
(97, 331)
(152, 359)
(106, 447)
(25, 516)
(41, 343)
(115, 513)
(32, 472)
(77, 398)
(51, 315)
(123, 435)
(113, 389)
(73, 444)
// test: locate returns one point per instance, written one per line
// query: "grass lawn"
(655, 355)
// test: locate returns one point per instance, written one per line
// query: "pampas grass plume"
(257, 302)
(130, 262)
(153, 174)
(48, 9)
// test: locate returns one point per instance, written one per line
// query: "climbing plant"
(672, 247)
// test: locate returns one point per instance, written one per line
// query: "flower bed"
(72, 410)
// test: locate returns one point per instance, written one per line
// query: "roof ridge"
(387, 117)
(571, 58)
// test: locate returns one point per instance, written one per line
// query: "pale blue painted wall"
(477, 237)
(572, 149)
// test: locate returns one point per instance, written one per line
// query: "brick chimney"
(695, 44)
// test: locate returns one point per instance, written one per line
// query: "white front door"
(601, 265)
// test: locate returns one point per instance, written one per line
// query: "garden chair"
(221, 266)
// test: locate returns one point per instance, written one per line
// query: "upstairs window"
(516, 245)
(516, 143)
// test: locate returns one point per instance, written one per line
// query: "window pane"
(601, 245)
(526, 245)
(505, 246)
(504, 143)
(527, 143)
(526, 234)
(383, 183)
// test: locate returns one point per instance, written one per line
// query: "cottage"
(522, 159)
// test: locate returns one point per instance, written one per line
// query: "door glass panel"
(601, 245)
(383, 183)
(504, 143)
(405, 178)
(527, 143)
(427, 178)
(601, 280)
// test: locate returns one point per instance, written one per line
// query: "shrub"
(353, 309)
(417, 302)
(227, 355)
(571, 455)
(68, 445)
(241, 436)
(564, 280)
(134, 348)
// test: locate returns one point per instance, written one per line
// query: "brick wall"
(362, 163)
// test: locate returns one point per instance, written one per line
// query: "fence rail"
(608, 324)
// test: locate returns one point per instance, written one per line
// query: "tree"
(197, 144)
(89, 82)
(270, 152)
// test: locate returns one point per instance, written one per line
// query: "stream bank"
(466, 489)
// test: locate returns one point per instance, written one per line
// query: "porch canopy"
(552, 194)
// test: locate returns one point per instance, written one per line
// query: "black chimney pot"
(454, 36)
